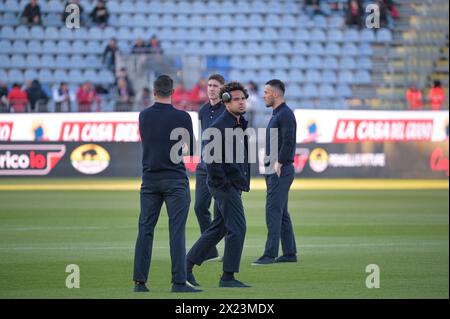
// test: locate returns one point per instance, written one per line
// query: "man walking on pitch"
(164, 179)
(279, 177)
(228, 176)
(207, 115)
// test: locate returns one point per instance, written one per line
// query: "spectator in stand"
(436, 96)
(123, 74)
(32, 13)
(355, 13)
(154, 45)
(144, 99)
(86, 97)
(100, 14)
(109, 54)
(386, 20)
(198, 95)
(312, 7)
(414, 98)
(65, 14)
(36, 95)
(139, 47)
(63, 98)
(124, 96)
(18, 99)
(180, 97)
(3, 97)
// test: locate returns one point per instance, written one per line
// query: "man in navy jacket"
(228, 176)
(280, 174)
(164, 179)
(207, 115)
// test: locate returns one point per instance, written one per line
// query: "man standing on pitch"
(164, 179)
(228, 176)
(207, 115)
(279, 177)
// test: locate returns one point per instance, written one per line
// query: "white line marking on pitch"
(246, 246)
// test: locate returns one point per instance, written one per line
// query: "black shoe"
(286, 259)
(184, 288)
(190, 280)
(140, 287)
(263, 261)
(232, 284)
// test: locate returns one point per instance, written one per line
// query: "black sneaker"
(286, 259)
(184, 288)
(263, 261)
(232, 284)
(190, 279)
(140, 287)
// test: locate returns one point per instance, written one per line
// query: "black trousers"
(229, 223)
(203, 200)
(176, 195)
(278, 220)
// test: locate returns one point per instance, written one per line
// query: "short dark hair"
(163, 86)
(277, 84)
(219, 78)
(233, 86)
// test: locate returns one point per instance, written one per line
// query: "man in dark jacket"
(164, 180)
(228, 176)
(280, 174)
(32, 13)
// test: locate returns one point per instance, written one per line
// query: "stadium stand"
(324, 62)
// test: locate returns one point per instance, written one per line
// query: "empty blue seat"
(267, 62)
(34, 47)
(294, 90)
(45, 76)
(64, 47)
(30, 75)
(335, 36)
(318, 36)
(326, 90)
(12, 6)
(349, 49)
(343, 91)
(313, 76)
(347, 63)
(282, 61)
(284, 47)
(19, 46)
(310, 91)
(330, 62)
(300, 48)
(37, 33)
(303, 35)
(62, 62)
(280, 74)
(267, 48)
(364, 63)
(17, 61)
(15, 76)
(251, 62)
(76, 76)
(313, 62)
(346, 77)
(298, 61)
(4, 61)
(367, 35)
(47, 61)
(363, 77)
(295, 76)
(329, 77)
(10, 19)
(332, 49)
(5, 46)
(384, 36)
(351, 35)
(365, 49)
(316, 49)
(60, 76)
(49, 46)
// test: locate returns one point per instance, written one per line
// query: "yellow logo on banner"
(90, 159)
(318, 160)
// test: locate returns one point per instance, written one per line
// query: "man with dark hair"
(207, 115)
(279, 177)
(32, 13)
(228, 176)
(164, 179)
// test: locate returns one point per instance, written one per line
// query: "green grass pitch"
(339, 233)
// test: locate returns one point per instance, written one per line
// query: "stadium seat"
(17, 61)
(282, 62)
(347, 63)
(76, 76)
(349, 49)
(52, 33)
(363, 77)
(318, 36)
(297, 62)
(364, 63)
(303, 35)
(329, 77)
(47, 61)
(267, 62)
(300, 48)
(335, 36)
(4, 61)
(346, 77)
(332, 49)
(365, 49)
(384, 36)
(326, 90)
(313, 62)
(45, 76)
(331, 63)
(313, 76)
(30, 75)
(351, 35)
(60, 76)
(295, 76)
(10, 19)
(310, 91)
(316, 48)
(19, 46)
(34, 47)
(62, 62)
(367, 35)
